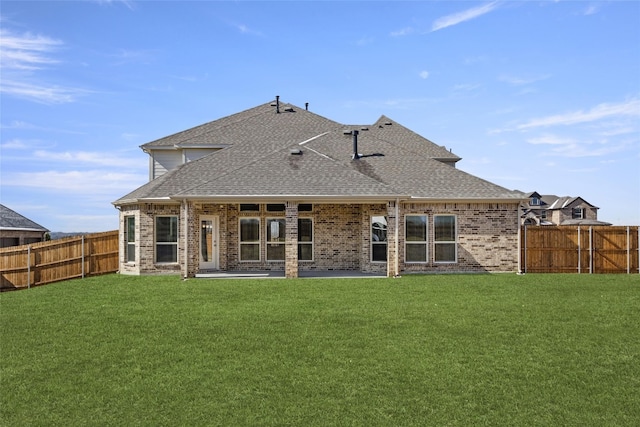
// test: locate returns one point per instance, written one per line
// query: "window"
(249, 239)
(277, 207)
(166, 239)
(305, 239)
(415, 231)
(130, 239)
(249, 207)
(577, 213)
(275, 239)
(445, 238)
(535, 201)
(378, 238)
(543, 214)
(305, 207)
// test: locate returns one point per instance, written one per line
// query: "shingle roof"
(397, 162)
(11, 220)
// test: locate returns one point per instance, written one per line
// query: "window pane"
(250, 252)
(305, 207)
(276, 230)
(275, 252)
(131, 252)
(167, 229)
(305, 251)
(379, 252)
(252, 207)
(131, 229)
(249, 230)
(416, 228)
(445, 252)
(305, 230)
(279, 207)
(378, 229)
(166, 253)
(416, 253)
(445, 228)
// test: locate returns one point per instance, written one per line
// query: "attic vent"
(364, 128)
(388, 123)
(289, 110)
(295, 151)
(346, 131)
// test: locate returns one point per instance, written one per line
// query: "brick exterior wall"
(487, 237)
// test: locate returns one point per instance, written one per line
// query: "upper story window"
(535, 201)
(577, 213)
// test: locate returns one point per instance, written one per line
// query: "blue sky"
(533, 95)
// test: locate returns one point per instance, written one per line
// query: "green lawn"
(436, 350)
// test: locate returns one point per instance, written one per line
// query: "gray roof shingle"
(257, 162)
(11, 220)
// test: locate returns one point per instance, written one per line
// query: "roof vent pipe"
(277, 104)
(356, 156)
(306, 106)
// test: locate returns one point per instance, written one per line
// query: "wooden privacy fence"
(46, 262)
(575, 249)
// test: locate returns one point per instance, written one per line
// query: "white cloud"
(465, 15)
(15, 144)
(572, 147)
(25, 52)
(43, 94)
(402, 32)
(24, 55)
(520, 81)
(90, 158)
(601, 111)
(424, 74)
(591, 9)
(92, 182)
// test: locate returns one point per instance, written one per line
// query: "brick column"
(291, 241)
(392, 244)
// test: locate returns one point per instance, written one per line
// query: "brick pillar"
(291, 241)
(392, 244)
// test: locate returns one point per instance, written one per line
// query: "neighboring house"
(277, 187)
(17, 230)
(554, 210)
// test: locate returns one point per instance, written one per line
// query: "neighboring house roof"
(297, 153)
(11, 220)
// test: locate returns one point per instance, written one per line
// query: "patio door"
(209, 253)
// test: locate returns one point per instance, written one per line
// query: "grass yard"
(421, 350)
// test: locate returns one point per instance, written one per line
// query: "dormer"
(162, 159)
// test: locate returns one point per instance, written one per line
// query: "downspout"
(396, 258)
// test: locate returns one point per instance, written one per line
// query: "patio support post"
(392, 239)
(291, 241)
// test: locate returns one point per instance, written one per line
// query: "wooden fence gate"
(61, 259)
(575, 249)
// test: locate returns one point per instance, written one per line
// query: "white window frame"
(129, 242)
(577, 213)
(309, 243)
(280, 242)
(437, 243)
(169, 243)
(378, 243)
(424, 243)
(249, 242)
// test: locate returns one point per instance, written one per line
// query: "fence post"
(590, 250)
(628, 251)
(525, 249)
(579, 253)
(29, 267)
(82, 243)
